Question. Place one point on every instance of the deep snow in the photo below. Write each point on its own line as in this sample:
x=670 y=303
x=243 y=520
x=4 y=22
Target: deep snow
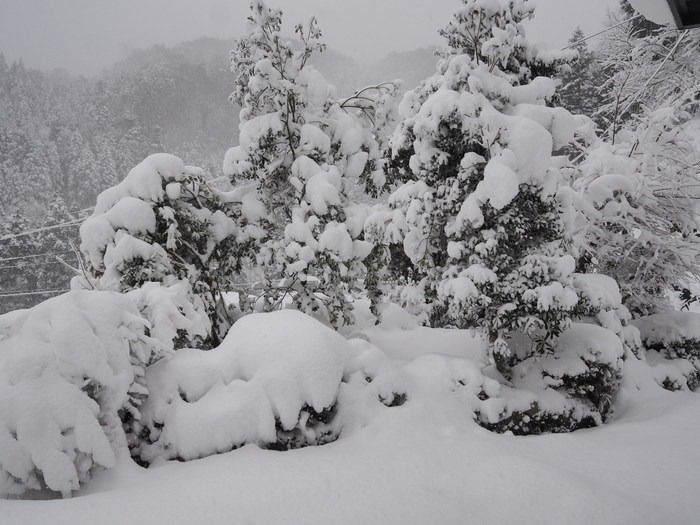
x=416 y=464
x=423 y=462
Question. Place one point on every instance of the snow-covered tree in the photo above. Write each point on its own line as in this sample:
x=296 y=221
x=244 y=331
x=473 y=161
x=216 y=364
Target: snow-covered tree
x=164 y=224
x=73 y=372
x=639 y=183
x=580 y=85
x=299 y=145
x=646 y=67
x=638 y=215
x=38 y=257
x=478 y=214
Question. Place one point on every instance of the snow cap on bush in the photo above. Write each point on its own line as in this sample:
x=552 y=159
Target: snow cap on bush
x=68 y=367
x=164 y=224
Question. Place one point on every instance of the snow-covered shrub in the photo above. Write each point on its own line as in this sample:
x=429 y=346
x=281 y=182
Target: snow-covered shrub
x=672 y=340
x=637 y=213
x=638 y=220
x=273 y=381
x=600 y=302
x=575 y=380
x=478 y=215
x=570 y=388
x=164 y=224
x=71 y=369
x=299 y=146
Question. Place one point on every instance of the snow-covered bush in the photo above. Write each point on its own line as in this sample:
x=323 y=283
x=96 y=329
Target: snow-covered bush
x=164 y=224
x=71 y=369
x=637 y=217
x=672 y=340
x=646 y=67
x=478 y=215
x=284 y=380
x=273 y=381
x=600 y=302
x=299 y=145
x=638 y=183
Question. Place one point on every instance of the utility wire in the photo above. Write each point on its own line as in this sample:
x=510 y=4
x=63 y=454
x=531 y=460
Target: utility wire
x=600 y=32
x=8 y=259
x=38 y=230
x=36 y=292
x=34 y=264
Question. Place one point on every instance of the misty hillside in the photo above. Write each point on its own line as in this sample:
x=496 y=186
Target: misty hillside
x=76 y=137
x=64 y=138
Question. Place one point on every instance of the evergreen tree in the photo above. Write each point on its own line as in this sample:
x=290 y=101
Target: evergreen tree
x=579 y=91
x=478 y=215
x=38 y=263
x=298 y=148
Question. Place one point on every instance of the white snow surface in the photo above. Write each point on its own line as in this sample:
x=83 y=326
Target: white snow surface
x=669 y=327
x=425 y=461
x=422 y=463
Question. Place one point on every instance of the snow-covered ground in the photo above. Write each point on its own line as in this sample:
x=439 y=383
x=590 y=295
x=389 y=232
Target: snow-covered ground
x=425 y=462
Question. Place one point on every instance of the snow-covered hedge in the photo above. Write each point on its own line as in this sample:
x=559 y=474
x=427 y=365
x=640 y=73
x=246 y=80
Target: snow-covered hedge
x=273 y=381
x=672 y=340
x=70 y=369
x=568 y=388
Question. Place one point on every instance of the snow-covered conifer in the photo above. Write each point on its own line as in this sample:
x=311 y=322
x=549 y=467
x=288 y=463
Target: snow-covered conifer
x=298 y=147
x=478 y=214
x=580 y=85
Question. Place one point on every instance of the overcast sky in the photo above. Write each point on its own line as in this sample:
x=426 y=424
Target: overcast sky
x=84 y=36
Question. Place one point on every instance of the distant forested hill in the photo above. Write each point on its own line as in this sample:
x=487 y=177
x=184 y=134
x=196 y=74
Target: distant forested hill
x=64 y=139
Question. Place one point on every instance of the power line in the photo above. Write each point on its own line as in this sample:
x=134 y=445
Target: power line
x=600 y=32
x=8 y=259
x=33 y=264
x=38 y=230
x=37 y=292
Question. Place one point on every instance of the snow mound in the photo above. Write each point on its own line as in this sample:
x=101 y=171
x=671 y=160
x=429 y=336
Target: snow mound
x=669 y=327
x=673 y=343
x=67 y=367
x=272 y=372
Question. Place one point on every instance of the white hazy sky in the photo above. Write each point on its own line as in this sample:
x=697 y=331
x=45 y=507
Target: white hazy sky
x=83 y=36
